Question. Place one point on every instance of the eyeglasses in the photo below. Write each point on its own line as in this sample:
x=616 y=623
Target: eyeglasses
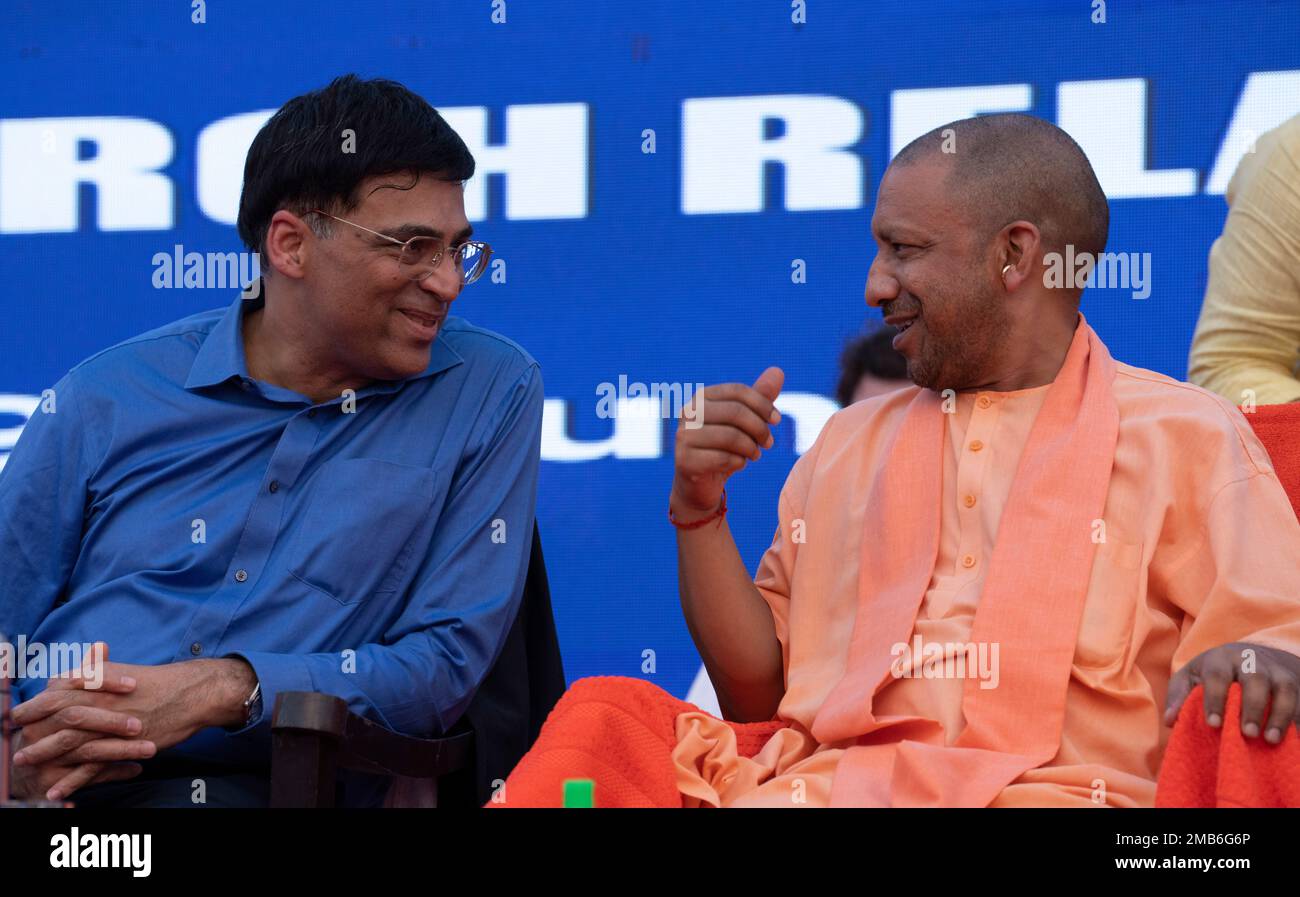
x=421 y=255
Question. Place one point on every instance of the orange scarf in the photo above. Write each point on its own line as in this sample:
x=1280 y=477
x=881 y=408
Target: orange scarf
x=1031 y=603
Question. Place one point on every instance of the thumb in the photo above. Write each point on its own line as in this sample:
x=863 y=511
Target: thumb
x=769 y=383
x=91 y=669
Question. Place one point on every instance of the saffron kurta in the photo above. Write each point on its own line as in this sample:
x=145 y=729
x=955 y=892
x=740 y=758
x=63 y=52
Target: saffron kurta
x=1197 y=546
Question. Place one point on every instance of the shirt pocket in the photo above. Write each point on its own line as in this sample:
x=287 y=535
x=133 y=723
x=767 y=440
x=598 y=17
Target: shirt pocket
x=1110 y=608
x=351 y=541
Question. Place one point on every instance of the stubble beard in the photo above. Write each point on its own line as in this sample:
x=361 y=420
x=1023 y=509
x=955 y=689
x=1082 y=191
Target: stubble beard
x=965 y=356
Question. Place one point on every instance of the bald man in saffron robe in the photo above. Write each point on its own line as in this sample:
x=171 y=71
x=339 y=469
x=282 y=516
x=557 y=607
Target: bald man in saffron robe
x=994 y=587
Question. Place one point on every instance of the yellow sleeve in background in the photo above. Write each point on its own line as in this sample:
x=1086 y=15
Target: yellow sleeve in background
x=1248 y=335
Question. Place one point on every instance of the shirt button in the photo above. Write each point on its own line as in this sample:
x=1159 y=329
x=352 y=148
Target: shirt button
x=968 y=561
x=274 y=487
x=984 y=401
x=241 y=575
x=196 y=649
x=247 y=384
x=976 y=445
x=970 y=501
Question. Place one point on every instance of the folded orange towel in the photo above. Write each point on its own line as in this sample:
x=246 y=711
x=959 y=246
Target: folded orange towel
x=620 y=733
x=1207 y=767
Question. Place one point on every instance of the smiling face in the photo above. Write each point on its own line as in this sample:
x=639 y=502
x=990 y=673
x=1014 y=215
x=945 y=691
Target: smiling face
x=365 y=312
x=931 y=277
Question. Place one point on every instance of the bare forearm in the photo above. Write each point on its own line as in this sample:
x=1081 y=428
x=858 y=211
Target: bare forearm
x=730 y=622
x=729 y=425
x=227 y=684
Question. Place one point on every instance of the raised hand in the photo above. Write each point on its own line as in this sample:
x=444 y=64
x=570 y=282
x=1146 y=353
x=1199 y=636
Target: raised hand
x=725 y=427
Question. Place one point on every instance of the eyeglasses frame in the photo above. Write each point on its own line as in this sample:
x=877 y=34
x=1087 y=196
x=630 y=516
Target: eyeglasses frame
x=437 y=260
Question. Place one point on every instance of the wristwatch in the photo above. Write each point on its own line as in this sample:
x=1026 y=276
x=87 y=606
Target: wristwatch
x=253 y=705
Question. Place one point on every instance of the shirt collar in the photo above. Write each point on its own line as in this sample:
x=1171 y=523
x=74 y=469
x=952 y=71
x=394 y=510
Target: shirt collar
x=222 y=354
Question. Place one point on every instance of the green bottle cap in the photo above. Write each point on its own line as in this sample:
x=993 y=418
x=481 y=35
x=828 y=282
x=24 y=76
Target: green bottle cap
x=579 y=793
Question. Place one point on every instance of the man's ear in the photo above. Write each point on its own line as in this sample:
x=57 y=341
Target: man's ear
x=1020 y=249
x=288 y=244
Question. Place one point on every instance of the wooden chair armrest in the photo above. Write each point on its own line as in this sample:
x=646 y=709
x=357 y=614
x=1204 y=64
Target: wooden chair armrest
x=314 y=735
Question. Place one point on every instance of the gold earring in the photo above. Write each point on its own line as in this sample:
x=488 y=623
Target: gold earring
x=1005 y=269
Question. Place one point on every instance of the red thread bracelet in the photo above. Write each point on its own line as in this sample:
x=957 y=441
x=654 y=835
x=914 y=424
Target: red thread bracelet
x=696 y=524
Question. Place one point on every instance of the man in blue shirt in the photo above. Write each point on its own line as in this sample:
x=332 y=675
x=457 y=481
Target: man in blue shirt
x=327 y=486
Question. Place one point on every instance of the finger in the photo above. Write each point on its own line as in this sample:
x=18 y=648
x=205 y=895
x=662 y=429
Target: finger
x=92 y=774
x=728 y=439
x=76 y=726
x=701 y=461
x=769 y=384
x=760 y=404
x=1179 y=688
x=100 y=720
x=733 y=413
x=79 y=777
x=92 y=667
x=111 y=749
x=1286 y=696
x=84 y=724
x=97 y=656
x=52 y=747
x=106 y=679
x=1216 y=675
x=116 y=772
x=97 y=674
x=1256 y=688
x=39 y=707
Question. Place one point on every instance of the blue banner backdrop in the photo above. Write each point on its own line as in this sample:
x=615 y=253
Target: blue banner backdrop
x=680 y=193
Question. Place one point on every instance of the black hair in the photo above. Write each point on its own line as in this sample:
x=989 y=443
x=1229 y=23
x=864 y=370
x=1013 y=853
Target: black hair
x=298 y=160
x=874 y=354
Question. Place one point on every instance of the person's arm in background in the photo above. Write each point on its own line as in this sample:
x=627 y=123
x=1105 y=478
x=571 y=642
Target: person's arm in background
x=421 y=678
x=1248 y=335
x=729 y=620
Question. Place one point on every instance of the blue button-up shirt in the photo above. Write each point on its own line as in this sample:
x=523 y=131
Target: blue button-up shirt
x=372 y=547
